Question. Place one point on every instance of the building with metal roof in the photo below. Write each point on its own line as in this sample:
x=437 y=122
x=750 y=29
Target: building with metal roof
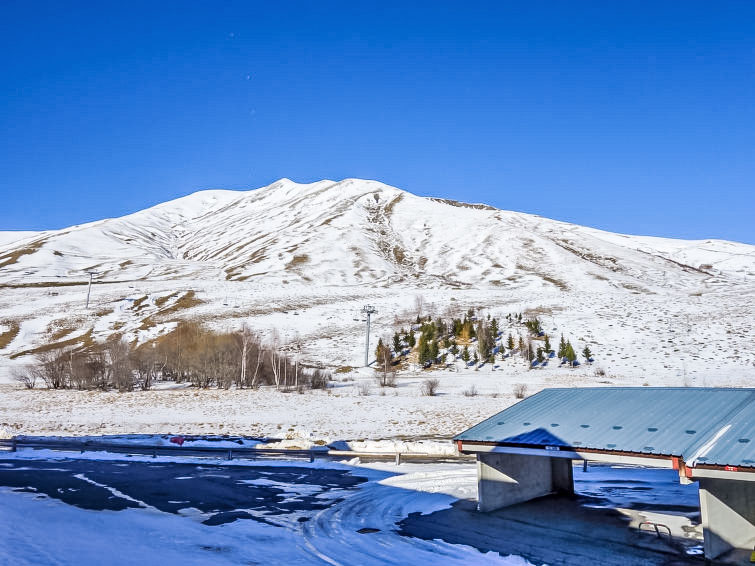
x=708 y=434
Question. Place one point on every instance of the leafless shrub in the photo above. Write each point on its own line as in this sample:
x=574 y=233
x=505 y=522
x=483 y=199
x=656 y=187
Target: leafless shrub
x=419 y=305
x=520 y=390
x=319 y=379
x=364 y=388
x=471 y=391
x=117 y=361
x=53 y=368
x=189 y=353
x=429 y=387
x=599 y=371
x=26 y=376
x=386 y=379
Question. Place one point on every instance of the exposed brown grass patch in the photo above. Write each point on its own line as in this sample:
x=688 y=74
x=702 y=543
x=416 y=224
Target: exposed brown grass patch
x=139 y=303
x=389 y=207
x=456 y=203
x=553 y=281
x=61 y=332
x=42 y=284
x=160 y=301
x=77 y=342
x=187 y=301
x=12 y=257
x=9 y=335
x=398 y=254
x=297 y=260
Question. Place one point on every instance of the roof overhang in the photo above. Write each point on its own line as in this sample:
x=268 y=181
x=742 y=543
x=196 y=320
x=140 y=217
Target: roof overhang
x=612 y=457
x=627 y=458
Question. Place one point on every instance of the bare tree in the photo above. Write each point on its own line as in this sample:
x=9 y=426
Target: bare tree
x=53 y=368
x=118 y=362
x=144 y=362
x=385 y=366
x=419 y=305
x=245 y=338
x=26 y=376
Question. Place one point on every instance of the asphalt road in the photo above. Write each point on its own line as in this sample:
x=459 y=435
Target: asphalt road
x=221 y=494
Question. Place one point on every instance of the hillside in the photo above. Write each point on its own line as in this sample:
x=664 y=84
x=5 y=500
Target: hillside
x=303 y=259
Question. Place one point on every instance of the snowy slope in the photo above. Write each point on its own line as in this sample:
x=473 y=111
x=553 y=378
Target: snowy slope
x=304 y=259
x=360 y=232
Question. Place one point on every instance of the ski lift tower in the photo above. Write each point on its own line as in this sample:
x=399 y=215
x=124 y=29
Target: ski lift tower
x=368 y=310
x=89 y=288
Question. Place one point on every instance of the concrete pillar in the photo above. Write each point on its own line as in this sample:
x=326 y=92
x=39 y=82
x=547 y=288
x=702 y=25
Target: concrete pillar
x=562 y=475
x=507 y=479
x=727 y=509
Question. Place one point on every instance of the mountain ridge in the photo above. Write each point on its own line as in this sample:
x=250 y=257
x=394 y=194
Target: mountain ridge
x=354 y=232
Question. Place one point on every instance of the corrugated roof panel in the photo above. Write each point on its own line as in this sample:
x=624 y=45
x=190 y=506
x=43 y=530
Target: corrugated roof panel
x=658 y=421
x=735 y=446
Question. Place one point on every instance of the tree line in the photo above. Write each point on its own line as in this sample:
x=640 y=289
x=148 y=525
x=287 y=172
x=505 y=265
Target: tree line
x=189 y=353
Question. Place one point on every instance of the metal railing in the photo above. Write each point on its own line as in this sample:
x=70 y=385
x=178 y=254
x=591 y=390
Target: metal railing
x=218 y=452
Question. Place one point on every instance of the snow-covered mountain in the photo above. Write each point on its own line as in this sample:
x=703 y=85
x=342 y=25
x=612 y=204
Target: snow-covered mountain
x=357 y=232
x=304 y=259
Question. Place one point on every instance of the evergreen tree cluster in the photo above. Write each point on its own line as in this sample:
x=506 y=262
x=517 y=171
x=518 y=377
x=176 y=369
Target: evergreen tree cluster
x=534 y=326
x=431 y=336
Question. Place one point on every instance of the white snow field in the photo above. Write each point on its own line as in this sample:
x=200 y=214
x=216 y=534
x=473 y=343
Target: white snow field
x=304 y=259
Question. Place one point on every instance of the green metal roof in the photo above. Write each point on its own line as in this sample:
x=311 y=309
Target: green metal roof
x=702 y=425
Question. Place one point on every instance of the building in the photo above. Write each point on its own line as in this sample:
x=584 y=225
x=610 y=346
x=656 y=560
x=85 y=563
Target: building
x=707 y=434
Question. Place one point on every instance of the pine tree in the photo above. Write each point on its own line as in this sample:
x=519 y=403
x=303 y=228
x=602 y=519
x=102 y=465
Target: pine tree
x=587 y=353
x=410 y=339
x=540 y=356
x=521 y=344
x=434 y=350
x=562 y=348
x=424 y=351
x=465 y=354
x=494 y=328
x=547 y=344
x=510 y=342
x=569 y=353
x=396 y=343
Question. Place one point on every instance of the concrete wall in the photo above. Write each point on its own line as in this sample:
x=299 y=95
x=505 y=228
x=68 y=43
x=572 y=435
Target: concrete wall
x=727 y=508
x=507 y=479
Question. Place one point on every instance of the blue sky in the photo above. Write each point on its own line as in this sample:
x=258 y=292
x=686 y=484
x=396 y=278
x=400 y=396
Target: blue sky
x=633 y=117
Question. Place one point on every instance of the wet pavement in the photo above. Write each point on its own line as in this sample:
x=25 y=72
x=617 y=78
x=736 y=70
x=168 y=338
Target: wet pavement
x=219 y=494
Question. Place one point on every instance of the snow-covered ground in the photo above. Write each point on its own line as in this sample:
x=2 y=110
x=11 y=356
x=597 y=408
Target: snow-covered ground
x=140 y=533
x=353 y=524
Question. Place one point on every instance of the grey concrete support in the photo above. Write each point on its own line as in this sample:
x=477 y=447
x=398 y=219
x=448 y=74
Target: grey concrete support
x=562 y=475
x=507 y=479
x=727 y=508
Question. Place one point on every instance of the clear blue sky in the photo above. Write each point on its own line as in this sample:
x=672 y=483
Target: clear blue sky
x=635 y=117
